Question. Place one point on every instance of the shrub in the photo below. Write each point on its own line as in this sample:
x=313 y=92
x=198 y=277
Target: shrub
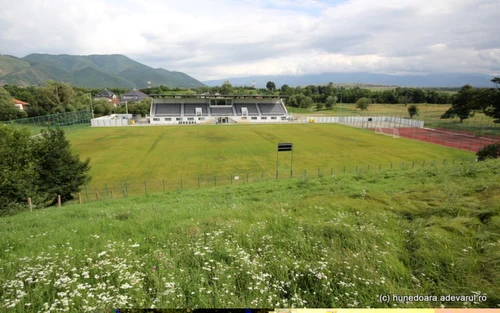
x=363 y=103
x=491 y=151
x=413 y=110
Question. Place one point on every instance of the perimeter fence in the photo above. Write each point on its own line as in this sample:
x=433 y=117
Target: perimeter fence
x=114 y=190
x=69 y=121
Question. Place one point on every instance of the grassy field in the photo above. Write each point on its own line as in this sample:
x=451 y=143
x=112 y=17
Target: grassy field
x=376 y=108
x=326 y=242
x=135 y=154
x=430 y=114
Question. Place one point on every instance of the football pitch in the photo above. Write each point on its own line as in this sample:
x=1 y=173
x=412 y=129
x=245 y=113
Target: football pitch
x=135 y=154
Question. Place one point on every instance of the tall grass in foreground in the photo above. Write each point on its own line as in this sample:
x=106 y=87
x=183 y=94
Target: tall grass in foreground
x=324 y=242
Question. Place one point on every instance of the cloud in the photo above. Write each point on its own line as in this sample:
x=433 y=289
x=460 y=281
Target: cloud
x=219 y=39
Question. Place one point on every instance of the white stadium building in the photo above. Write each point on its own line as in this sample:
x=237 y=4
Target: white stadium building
x=214 y=109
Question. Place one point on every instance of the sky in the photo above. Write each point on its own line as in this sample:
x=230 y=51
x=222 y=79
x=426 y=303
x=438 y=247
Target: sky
x=219 y=39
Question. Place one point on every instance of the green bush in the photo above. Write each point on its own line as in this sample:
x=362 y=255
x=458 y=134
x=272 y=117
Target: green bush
x=489 y=152
x=39 y=167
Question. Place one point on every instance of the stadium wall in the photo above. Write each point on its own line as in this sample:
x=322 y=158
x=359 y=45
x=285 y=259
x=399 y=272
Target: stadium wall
x=111 y=120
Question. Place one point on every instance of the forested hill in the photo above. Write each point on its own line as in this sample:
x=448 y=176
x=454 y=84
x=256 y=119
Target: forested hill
x=92 y=71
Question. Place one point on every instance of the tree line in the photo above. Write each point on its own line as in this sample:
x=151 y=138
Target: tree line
x=57 y=97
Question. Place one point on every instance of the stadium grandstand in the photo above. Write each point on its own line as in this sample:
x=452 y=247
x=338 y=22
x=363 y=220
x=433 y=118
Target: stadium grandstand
x=211 y=109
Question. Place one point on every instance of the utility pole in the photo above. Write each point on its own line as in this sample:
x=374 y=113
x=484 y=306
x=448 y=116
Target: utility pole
x=91 y=106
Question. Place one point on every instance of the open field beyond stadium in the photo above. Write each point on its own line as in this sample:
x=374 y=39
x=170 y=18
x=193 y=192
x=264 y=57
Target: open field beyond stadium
x=135 y=154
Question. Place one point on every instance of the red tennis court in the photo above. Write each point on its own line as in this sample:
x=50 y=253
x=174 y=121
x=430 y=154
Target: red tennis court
x=455 y=139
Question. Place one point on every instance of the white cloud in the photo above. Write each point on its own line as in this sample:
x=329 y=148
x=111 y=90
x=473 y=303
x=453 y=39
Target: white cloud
x=219 y=39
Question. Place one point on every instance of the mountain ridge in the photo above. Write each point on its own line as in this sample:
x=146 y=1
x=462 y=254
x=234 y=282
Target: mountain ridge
x=429 y=80
x=91 y=71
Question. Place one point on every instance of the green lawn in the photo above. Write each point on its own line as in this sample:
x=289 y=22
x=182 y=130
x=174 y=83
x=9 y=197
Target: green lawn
x=319 y=243
x=135 y=154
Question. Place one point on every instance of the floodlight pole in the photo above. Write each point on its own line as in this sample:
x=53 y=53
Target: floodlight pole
x=91 y=106
x=126 y=108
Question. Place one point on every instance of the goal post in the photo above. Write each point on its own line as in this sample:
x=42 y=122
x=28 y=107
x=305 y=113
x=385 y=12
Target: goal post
x=389 y=131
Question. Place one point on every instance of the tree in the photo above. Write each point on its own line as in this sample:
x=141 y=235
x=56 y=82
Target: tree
x=306 y=102
x=55 y=96
x=330 y=102
x=8 y=111
x=491 y=151
x=57 y=170
x=413 y=110
x=363 y=103
x=320 y=106
x=102 y=107
x=226 y=88
x=16 y=172
x=463 y=104
x=271 y=86
x=490 y=98
x=496 y=81
x=142 y=108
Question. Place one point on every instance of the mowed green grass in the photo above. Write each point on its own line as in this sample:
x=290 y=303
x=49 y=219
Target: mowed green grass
x=135 y=154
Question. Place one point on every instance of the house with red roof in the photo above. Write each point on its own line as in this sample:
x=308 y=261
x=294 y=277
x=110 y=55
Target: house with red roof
x=21 y=105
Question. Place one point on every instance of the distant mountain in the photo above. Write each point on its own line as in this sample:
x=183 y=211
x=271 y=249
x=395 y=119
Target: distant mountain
x=430 y=80
x=9 y=64
x=93 y=71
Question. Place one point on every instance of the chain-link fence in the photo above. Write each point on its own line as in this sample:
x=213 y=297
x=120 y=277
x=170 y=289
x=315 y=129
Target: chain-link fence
x=69 y=121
